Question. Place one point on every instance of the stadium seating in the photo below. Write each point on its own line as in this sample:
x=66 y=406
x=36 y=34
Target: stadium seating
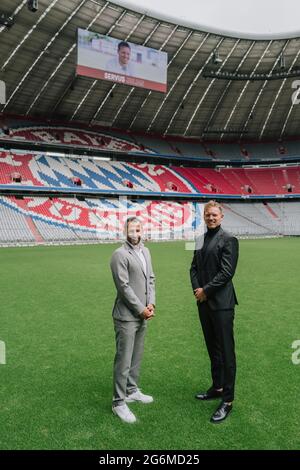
x=42 y=219
x=54 y=219
x=123 y=141
x=58 y=172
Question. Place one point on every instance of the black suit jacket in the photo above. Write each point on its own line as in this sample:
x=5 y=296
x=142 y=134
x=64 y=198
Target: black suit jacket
x=214 y=269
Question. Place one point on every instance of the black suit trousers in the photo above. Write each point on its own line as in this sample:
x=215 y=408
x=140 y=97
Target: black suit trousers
x=217 y=326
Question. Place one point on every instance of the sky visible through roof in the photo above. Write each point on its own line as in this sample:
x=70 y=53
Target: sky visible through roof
x=255 y=19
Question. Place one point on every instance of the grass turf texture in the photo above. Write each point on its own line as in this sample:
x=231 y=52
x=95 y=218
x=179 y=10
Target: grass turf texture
x=55 y=390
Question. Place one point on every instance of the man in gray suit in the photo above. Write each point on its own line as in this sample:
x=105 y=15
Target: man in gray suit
x=135 y=304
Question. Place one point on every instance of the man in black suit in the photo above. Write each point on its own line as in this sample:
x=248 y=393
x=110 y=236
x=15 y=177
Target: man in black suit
x=211 y=272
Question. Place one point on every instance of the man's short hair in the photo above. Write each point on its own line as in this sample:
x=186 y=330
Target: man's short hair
x=213 y=204
x=123 y=44
x=129 y=220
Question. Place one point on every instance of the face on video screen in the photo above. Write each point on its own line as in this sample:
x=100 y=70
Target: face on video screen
x=124 y=55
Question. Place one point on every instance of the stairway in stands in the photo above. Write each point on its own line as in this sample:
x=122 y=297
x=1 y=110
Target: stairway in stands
x=30 y=222
x=32 y=227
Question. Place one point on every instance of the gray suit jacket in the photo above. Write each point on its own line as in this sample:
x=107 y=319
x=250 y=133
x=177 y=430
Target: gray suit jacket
x=135 y=288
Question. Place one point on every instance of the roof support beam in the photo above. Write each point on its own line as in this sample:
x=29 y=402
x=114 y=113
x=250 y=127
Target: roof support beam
x=28 y=34
x=276 y=99
x=261 y=92
x=225 y=90
x=22 y=4
x=209 y=86
x=17 y=48
x=150 y=92
x=177 y=79
x=190 y=86
x=61 y=62
x=245 y=88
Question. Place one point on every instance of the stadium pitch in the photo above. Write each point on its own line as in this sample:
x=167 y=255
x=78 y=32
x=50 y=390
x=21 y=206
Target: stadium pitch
x=56 y=324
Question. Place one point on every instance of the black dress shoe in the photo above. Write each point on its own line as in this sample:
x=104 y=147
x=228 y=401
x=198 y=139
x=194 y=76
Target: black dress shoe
x=221 y=413
x=211 y=394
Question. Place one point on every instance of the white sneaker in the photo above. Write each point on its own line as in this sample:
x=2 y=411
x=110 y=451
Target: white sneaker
x=124 y=413
x=139 y=396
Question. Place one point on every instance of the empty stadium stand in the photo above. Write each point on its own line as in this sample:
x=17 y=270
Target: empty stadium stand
x=41 y=219
x=58 y=172
x=106 y=139
x=50 y=211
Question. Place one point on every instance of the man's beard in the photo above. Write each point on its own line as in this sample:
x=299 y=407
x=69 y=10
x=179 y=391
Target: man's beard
x=134 y=240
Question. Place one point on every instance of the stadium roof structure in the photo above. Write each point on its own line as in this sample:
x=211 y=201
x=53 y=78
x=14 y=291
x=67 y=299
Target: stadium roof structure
x=220 y=88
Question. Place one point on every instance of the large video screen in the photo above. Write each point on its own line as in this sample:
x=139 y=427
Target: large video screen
x=119 y=61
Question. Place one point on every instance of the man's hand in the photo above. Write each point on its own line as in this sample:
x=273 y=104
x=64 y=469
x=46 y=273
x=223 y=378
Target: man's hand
x=200 y=294
x=147 y=314
x=151 y=308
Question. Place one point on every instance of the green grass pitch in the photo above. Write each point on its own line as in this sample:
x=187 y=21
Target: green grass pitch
x=55 y=390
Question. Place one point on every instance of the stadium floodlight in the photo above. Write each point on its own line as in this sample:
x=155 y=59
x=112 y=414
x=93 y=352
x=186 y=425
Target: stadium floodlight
x=6 y=20
x=216 y=58
x=281 y=62
x=33 y=5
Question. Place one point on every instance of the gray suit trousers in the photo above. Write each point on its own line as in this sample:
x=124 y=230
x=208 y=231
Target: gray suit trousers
x=129 y=351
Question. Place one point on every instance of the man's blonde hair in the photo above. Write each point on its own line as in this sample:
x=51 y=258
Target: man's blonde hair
x=213 y=204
